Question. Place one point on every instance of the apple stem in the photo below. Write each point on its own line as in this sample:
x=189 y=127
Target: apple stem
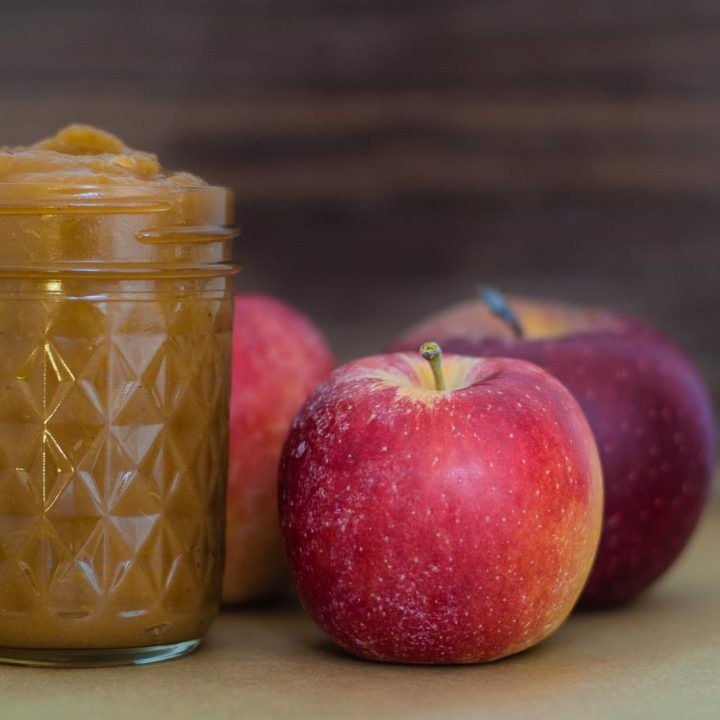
x=432 y=353
x=499 y=307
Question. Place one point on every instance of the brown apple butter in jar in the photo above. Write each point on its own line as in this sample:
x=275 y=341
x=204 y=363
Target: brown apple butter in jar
x=115 y=335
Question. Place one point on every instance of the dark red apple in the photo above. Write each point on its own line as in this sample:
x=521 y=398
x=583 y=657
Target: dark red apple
x=648 y=409
x=278 y=358
x=432 y=525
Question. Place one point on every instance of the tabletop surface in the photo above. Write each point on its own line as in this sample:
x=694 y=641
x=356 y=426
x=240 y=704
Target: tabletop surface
x=657 y=658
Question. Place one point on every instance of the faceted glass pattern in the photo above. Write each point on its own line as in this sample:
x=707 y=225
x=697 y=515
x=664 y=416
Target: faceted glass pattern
x=113 y=439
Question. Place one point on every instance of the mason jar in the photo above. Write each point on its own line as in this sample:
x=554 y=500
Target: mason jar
x=115 y=338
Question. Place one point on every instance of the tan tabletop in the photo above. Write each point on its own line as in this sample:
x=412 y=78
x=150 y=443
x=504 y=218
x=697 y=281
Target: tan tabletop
x=659 y=658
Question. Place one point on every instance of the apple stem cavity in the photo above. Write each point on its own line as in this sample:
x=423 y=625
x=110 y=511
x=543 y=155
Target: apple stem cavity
x=499 y=307
x=432 y=353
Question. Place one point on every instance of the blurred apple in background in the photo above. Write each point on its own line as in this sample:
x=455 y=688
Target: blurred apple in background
x=440 y=526
x=278 y=358
x=646 y=404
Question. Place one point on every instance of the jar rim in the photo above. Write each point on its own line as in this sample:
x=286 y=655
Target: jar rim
x=41 y=198
x=141 y=223
x=111 y=185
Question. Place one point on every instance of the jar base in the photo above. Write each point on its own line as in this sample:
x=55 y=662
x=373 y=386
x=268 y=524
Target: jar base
x=35 y=657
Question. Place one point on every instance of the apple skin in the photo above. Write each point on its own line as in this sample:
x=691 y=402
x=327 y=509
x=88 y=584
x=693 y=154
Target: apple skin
x=650 y=413
x=428 y=526
x=278 y=358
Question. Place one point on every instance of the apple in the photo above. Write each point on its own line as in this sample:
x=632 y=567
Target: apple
x=648 y=409
x=278 y=358
x=439 y=515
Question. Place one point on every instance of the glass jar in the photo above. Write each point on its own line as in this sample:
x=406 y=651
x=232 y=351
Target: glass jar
x=115 y=339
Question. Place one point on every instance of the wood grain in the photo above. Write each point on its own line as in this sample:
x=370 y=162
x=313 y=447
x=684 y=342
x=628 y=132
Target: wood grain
x=379 y=147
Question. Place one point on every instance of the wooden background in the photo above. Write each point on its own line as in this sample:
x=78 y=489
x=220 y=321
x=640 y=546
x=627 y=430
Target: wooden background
x=390 y=155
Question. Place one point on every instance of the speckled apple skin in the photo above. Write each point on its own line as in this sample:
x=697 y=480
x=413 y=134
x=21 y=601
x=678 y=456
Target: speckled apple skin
x=651 y=416
x=428 y=527
x=278 y=358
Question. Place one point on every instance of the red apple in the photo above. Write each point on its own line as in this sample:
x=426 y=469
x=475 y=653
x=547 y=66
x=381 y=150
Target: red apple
x=439 y=526
x=648 y=409
x=278 y=358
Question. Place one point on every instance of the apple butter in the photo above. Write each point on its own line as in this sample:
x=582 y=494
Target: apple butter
x=115 y=338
